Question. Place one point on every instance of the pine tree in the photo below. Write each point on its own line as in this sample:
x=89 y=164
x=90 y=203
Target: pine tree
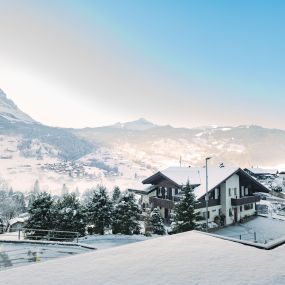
x=156 y=222
x=116 y=195
x=41 y=214
x=185 y=211
x=36 y=189
x=69 y=214
x=99 y=210
x=64 y=190
x=126 y=216
x=34 y=192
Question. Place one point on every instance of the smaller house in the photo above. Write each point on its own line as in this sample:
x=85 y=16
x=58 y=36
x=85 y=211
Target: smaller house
x=17 y=223
x=262 y=174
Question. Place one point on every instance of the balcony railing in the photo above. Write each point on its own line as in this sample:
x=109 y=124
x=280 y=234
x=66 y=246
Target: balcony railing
x=163 y=203
x=245 y=200
x=211 y=203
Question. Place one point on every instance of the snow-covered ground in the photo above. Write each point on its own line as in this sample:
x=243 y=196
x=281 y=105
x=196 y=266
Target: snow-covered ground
x=107 y=241
x=188 y=258
x=266 y=229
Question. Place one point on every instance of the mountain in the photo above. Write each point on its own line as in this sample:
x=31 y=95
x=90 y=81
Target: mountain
x=138 y=125
x=122 y=154
x=10 y=112
x=163 y=145
x=15 y=123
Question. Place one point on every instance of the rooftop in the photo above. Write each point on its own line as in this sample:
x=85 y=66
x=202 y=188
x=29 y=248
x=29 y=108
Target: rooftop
x=188 y=258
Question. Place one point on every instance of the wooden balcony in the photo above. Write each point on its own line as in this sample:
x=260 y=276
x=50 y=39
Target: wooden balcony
x=245 y=200
x=211 y=203
x=163 y=203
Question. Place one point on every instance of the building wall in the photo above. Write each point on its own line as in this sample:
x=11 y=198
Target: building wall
x=250 y=212
x=213 y=212
x=230 y=190
x=145 y=198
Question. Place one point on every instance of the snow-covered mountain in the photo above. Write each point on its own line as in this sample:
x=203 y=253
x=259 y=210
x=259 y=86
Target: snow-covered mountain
x=123 y=153
x=138 y=125
x=10 y=111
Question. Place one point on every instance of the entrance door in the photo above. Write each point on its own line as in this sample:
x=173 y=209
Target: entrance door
x=166 y=214
x=235 y=215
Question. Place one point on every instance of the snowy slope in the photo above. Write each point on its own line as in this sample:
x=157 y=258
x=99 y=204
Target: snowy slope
x=189 y=258
x=10 y=112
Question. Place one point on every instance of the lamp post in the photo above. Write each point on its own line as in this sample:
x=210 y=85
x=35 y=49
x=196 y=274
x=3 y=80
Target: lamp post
x=207 y=196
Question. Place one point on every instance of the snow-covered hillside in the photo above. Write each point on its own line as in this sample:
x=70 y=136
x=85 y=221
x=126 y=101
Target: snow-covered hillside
x=10 y=111
x=122 y=154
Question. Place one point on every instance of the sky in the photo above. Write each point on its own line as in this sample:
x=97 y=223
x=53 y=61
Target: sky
x=82 y=63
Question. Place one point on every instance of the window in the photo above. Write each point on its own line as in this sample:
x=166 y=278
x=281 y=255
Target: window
x=235 y=191
x=240 y=208
x=230 y=212
x=248 y=207
x=230 y=192
x=205 y=215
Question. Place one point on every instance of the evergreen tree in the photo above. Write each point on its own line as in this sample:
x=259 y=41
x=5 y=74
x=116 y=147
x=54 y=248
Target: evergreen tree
x=41 y=214
x=156 y=222
x=69 y=214
x=126 y=216
x=185 y=211
x=76 y=192
x=99 y=210
x=34 y=192
x=116 y=195
x=36 y=188
x=64 y=190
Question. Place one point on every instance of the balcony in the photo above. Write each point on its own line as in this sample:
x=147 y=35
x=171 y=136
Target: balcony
x=163 y=203
x=245 y=200
x=211 y=203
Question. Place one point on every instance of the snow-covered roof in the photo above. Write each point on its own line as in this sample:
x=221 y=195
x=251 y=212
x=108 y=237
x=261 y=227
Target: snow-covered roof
x=145 y=190
x=262 y=171
x=188 y=258
x=197 y=176
x=21 y=219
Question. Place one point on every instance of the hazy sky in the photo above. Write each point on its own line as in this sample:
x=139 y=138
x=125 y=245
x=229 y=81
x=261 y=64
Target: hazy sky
x=186 y=63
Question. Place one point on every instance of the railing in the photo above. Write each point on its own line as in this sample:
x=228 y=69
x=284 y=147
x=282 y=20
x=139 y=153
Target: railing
x=211 y=203
x=250 y=236
x=245 y=200
x=39 y=234
x=163 y=203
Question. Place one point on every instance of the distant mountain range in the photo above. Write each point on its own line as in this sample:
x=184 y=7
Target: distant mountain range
x=134 y=149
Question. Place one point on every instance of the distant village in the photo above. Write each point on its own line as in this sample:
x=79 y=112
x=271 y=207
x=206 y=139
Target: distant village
x=79 y=170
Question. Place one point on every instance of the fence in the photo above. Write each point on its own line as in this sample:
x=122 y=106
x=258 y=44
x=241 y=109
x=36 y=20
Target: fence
x=245 y=236
x=39 y=234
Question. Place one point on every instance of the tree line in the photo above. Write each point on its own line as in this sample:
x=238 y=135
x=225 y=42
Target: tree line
x=97 y=212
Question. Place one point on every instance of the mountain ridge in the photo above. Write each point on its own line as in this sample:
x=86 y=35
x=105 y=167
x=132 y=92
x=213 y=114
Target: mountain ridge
x=125 y=153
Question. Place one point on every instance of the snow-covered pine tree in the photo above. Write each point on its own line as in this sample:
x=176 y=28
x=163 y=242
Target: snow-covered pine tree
x=64 y=190
x=185 y=211
x=156 y=222
x=116 y=195
x=126 y=216
x=36 y=189
x=99 y=210
x=34 y=192
x=69 y=214
x=41 y=214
